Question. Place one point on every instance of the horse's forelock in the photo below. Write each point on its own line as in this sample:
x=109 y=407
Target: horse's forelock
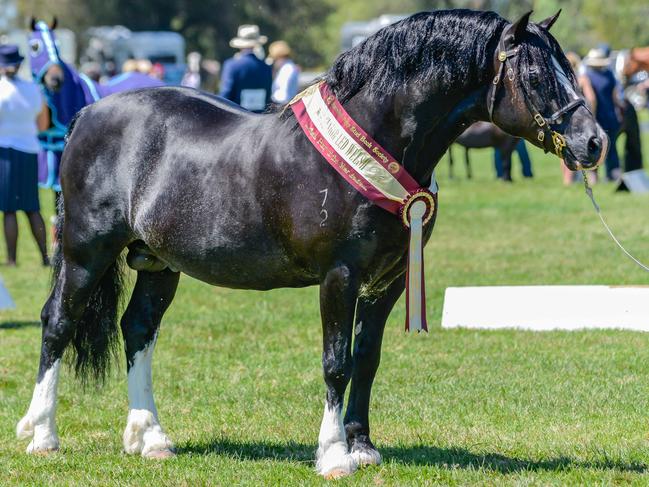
x=538 y=51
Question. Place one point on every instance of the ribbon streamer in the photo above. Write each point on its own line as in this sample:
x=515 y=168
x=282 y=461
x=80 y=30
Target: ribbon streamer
x=415 y=287
x=374 y=173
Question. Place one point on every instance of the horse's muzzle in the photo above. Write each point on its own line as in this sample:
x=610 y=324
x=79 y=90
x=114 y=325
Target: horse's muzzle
x=596 y=149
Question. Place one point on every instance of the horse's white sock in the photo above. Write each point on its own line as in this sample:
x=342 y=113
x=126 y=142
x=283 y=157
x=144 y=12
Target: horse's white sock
x=39 y=423
x=332 y=457
x=143 y=433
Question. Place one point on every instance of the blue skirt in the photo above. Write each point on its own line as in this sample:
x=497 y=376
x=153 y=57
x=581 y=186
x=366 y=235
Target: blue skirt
x=18 y=181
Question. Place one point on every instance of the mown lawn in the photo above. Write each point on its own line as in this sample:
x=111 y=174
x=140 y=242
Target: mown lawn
x=238 y=378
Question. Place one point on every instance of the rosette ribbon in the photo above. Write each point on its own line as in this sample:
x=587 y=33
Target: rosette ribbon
x=374 y=173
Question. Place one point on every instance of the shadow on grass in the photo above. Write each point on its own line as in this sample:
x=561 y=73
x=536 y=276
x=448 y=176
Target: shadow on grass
x=408 y=455
x=463 y=458
x=14 y=325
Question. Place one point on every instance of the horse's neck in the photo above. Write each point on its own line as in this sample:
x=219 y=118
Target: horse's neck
x=417 y=133
x=425 y=151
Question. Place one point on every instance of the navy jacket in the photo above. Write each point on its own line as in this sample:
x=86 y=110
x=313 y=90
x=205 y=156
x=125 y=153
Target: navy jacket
x=604 y=84
x=247 y=81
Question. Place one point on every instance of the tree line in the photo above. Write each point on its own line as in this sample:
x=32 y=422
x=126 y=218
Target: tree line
x=312 y=27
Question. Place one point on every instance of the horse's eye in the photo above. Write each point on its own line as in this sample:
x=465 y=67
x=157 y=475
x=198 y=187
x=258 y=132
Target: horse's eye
x=35 y=47
x=534 y=77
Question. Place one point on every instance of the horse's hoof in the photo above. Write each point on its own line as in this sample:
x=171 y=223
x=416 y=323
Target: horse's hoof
x=160 y=454
x=366 y=456
x=336 y=474
x=42 y=451
x=335 y=462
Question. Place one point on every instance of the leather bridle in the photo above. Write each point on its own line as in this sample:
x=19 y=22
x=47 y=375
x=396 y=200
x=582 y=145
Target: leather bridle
x=545 y=126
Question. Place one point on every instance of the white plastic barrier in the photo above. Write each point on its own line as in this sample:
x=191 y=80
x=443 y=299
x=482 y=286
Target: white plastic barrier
x=5 y=298
x=547 y=307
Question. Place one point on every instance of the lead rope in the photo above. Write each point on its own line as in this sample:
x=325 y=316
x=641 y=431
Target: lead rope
x=589 y=193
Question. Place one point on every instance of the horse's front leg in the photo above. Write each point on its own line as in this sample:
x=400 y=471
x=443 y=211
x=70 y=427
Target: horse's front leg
x=338 y=294
x=371 y=316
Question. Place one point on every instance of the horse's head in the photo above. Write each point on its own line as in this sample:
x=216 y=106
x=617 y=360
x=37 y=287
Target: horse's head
x=534 y=95
x=44 y=56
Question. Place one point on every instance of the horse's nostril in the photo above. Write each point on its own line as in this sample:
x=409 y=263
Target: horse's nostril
x=594 y=145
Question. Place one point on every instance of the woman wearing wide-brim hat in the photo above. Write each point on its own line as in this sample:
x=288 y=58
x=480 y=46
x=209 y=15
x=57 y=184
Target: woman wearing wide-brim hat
x=609 y=106
x=286 y=72
x=22 y=113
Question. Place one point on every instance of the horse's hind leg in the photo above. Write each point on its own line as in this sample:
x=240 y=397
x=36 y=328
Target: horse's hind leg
x=371 y=315
x=153 y=293
x=338 y=294
x=84 y=291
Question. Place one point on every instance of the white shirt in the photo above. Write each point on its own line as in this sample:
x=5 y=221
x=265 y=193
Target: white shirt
x=20 y=103
x=285 y=84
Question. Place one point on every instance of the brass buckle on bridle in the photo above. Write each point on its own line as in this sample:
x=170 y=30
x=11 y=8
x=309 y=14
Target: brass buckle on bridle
x=559 y=143
x=540 y=121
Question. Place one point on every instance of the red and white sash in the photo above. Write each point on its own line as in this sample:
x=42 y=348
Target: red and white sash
x=372 y=171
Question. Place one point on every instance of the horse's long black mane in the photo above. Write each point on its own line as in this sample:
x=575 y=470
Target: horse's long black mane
x=444 y=50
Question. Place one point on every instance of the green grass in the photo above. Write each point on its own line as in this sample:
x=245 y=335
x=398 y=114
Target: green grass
x=239 y=385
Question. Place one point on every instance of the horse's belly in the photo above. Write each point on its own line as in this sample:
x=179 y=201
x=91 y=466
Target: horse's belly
x=241 y=268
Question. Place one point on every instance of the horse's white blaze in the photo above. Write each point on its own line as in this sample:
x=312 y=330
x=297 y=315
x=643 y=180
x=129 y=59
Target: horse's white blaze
x=143 y=433
x=569 y=87
x=564 y=81
x=39 y=423
x=333 y=457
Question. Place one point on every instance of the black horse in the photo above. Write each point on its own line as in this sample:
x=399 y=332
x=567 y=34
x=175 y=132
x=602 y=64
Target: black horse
x=479 y=136
x=190 y=183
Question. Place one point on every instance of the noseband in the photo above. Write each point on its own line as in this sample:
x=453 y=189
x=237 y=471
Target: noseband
x=545 y=126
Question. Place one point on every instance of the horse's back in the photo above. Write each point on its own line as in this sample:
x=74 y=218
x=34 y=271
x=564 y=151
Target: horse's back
x=135 y=131
x=180 y=170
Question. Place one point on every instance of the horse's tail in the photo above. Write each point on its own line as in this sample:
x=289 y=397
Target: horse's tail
x=95 y=340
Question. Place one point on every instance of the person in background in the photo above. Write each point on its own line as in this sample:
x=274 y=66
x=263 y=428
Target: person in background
x=157 y=71
x=246 y=79
x=608 y=111
x=92 y=70
x=192 y=76
x=586 y=89
x=524 y=157
x=286 y=73
x=22 y=113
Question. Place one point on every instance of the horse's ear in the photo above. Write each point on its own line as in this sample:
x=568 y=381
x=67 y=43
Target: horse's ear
x=54 y=23
x=549 y=22
x=516 y=31
x=32 y=23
